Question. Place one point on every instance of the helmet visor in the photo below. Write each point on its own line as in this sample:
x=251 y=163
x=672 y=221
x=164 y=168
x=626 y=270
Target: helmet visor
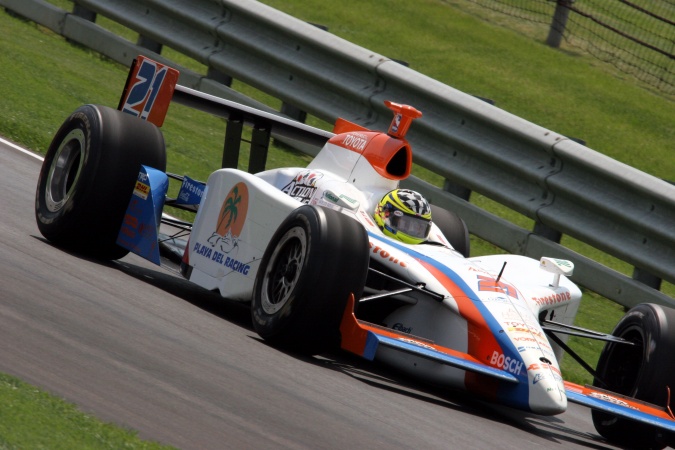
x=414 y=226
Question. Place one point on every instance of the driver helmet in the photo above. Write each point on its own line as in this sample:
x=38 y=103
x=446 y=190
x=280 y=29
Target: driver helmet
x=404 y=215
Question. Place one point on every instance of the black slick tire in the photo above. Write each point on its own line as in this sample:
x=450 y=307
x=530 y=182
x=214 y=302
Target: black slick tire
x=643 y=371
x=88 y=175
x=314 y=261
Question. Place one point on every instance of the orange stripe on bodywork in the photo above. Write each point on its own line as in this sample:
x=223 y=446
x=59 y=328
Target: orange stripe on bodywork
x=355 y=336
x=481 y=342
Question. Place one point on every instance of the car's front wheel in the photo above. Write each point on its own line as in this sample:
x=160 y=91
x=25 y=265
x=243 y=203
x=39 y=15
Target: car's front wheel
x=645 y=371
x=314 y=261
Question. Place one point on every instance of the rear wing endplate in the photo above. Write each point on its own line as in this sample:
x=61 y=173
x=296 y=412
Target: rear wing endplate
x=148 y=90
x=140 y=226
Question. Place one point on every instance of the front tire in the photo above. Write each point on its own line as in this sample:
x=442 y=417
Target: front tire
x=642 y=371
x=314 y=261
x=88 y=175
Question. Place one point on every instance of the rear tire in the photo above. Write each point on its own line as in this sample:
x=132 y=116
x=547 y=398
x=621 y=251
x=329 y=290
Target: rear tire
x=453 y=228
x=88 y=176
x=642 y=371
x=314 y=261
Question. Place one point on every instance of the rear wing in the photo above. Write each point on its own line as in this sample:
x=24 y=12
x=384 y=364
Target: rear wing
x=152 y=86
x=148 y=90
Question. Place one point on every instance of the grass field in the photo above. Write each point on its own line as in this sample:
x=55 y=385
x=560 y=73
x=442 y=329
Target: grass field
x=33 y=419
x=43 y=78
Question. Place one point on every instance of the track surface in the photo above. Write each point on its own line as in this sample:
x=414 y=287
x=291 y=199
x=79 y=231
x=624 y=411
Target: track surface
x=136 y=345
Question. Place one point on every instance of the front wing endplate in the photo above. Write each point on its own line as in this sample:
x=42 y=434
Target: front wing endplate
x=363 y=339
x=619 y=405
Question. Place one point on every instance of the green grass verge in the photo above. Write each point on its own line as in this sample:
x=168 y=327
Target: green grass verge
x=33 y=419
x=43 y=78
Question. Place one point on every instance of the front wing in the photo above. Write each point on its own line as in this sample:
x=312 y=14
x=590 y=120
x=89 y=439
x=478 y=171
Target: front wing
x=619 y=405
x=363 y=339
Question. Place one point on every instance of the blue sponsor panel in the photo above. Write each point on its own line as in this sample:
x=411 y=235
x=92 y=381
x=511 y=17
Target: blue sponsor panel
x=191 y=192
x=140 y=227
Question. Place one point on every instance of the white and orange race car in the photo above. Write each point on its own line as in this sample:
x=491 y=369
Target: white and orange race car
x=323 y=265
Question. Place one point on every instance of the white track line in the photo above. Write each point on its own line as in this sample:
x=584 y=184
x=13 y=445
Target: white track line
x=41 y=158
x=22 y=150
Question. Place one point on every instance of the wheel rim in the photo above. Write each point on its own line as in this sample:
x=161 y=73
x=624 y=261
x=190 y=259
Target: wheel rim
x=65 y=170
x=627 y=361
x=283 y=271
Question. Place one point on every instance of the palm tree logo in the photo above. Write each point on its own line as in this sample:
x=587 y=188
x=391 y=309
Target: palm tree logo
x=229 y=209
x=231 y=218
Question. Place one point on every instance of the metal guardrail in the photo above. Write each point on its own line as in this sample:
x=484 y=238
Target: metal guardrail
x=563 y=186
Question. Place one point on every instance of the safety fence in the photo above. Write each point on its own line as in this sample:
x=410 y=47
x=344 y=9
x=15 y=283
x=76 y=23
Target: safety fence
x=564 y=187
x=635 y=36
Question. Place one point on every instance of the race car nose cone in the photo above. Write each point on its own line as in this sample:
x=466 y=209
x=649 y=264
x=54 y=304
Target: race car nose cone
x=547 y=393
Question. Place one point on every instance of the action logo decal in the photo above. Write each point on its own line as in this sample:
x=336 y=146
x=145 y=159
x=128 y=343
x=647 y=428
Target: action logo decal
x=303 y=186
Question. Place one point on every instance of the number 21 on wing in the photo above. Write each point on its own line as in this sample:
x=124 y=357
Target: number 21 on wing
x=149 y=90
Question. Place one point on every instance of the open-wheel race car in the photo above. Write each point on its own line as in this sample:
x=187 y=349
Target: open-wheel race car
x=338 y=255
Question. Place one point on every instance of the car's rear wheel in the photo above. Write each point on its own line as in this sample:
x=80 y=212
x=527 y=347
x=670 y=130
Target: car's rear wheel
x=643 y=371
x=88 y=175
x=453 y=228
x=315 y=260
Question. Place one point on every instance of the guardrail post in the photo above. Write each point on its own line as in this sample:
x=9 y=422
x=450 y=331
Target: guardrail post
x=215 y=75
x=547 y=232
x=647 y=278
x=457 y=190
x=559 y=22
x=84 y=12
x=293 y=112
x=150 y=44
